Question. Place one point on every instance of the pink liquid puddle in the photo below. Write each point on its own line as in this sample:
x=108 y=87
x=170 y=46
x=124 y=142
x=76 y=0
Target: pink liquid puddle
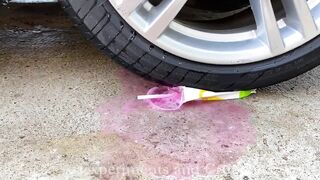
x=194 y=141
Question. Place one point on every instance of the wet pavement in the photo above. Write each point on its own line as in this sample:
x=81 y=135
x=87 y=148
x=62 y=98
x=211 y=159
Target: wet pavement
x=68 y=112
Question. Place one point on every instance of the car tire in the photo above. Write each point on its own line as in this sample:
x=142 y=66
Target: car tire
x=100 y=23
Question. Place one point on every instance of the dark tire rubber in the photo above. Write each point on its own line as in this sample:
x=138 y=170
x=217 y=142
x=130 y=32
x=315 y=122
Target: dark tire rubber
x=101 y=24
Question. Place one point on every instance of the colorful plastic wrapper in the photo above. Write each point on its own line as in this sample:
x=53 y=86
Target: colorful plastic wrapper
x=172 y=98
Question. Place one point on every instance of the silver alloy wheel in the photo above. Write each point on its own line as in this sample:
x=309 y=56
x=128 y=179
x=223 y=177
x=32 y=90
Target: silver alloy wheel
x=235 y=46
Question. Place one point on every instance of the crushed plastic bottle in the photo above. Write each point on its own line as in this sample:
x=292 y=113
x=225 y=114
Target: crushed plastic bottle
x=172 y=98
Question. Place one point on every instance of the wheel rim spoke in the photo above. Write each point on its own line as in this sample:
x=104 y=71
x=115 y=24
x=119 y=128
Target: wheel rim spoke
x=128 y=6
x=163 y=15
x=271 y=38
x=299 y=17
x=267 y=27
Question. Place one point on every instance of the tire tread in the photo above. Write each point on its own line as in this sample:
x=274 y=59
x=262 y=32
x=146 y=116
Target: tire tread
x=101 y=24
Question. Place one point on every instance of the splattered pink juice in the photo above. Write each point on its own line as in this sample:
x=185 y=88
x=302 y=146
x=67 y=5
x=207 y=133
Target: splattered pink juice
x=196 y=140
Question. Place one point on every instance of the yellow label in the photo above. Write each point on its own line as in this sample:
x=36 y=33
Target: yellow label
x=214 y=98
